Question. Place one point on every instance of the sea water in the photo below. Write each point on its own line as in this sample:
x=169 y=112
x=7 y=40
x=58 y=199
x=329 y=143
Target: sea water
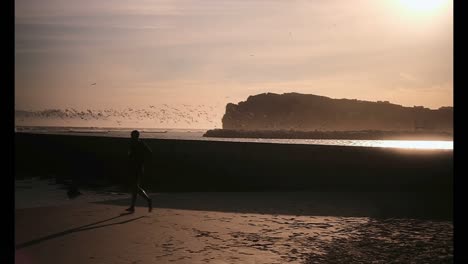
x=197 y=134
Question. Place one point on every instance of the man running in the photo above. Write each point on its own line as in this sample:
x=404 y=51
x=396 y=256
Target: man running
x=137 y=154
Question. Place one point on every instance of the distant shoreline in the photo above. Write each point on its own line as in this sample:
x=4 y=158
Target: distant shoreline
x=363 y=134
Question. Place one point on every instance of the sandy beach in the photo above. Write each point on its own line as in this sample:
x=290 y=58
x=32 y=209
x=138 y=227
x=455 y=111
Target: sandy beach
x=221 y=202
x=249 y=227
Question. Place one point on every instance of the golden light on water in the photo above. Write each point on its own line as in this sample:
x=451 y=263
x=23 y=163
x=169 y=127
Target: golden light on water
x=414 y=144
x=401 y=144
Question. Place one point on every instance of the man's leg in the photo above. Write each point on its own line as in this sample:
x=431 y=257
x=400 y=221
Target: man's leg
x=147 y=198
x=142 y=192
x=134 y=194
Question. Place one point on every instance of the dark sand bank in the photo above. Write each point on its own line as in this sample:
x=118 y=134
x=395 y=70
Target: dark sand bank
x=184 y=165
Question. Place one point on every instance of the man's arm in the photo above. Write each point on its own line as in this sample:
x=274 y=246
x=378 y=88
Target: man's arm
x=147 y=148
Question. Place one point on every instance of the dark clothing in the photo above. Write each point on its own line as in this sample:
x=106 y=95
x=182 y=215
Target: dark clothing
x=138 y=153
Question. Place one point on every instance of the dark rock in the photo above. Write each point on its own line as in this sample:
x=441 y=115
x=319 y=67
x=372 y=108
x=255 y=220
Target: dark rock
x=307 y=112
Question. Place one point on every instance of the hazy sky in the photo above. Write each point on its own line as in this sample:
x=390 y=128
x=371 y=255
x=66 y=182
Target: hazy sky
x=218 y=51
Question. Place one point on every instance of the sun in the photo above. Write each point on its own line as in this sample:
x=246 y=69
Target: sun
x=422 y=6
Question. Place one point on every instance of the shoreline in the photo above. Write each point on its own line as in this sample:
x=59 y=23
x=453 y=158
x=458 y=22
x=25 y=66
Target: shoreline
x=349 y=135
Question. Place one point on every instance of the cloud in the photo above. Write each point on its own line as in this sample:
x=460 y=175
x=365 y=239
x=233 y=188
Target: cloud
x=170 y=49
x=408 y=77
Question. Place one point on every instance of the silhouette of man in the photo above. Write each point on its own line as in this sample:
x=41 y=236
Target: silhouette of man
x=137 y=154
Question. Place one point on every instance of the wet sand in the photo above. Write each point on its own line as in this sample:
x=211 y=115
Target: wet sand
x=232 y=228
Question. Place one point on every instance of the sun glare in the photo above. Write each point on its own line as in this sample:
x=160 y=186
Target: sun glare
x=422 y=6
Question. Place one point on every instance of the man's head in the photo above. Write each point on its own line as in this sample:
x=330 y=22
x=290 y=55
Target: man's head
x=135 y=134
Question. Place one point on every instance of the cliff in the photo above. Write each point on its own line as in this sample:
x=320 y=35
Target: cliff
x=307 y=112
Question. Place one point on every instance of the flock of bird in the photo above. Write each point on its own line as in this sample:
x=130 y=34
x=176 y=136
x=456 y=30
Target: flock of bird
x=183 y=114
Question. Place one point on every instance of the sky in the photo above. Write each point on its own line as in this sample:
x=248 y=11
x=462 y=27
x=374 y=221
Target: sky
x=211 y=52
